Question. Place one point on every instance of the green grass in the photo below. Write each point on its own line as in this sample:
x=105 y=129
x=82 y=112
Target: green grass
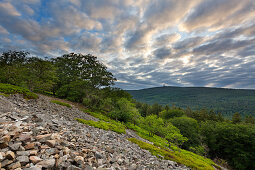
x=61 y=103
x=180 y=156
x=104 y=125
x=11 y=89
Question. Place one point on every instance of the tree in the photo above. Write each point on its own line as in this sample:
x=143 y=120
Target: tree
x=77 y=67
x=173 y=135
x=249 y=119
x=236 y=118
x=125 y=111
x=189 y=128
x=167 y=114
x=12 y=67
x=153 y=124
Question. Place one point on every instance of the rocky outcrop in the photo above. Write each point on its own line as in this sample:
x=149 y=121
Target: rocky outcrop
x=37 y=134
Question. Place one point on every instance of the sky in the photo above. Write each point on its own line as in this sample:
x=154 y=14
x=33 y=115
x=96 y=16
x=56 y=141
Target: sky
x=144 y=43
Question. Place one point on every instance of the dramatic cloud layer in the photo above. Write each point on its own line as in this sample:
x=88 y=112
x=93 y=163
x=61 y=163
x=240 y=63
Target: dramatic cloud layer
x=145 y=43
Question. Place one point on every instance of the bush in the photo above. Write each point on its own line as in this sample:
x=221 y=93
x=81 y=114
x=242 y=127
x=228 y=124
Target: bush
x=153 y=124
x=104 y=125
x=61 y=103
x=124 y=111
x=11 y=89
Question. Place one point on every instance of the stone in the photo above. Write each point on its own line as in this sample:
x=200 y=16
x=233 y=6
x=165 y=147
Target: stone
x=10 y=155
x=72 y=167
x=14 y=165
x=5 y=138
x=24 y=137
x=29 y=146
x=110 y=150
x=2 y=156
x=3 y=145
x=23 y=153
x=15 y=146
x=33 y=152
x=47 y=163
x=23 y=159
x=98 y=155
x=43 y=138
x=79 y=160
x=51 y=143
x=35 y=159
x=6 y=162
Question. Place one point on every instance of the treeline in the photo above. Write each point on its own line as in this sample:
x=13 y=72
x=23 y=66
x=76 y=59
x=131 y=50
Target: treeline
x=82 y=78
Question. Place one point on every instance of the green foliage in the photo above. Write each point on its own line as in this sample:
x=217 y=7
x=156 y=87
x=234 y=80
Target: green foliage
x=61 y=103
x=77 y=67
x=249 y=119
x=232 y=142
x=11 y=89
x=173 y=135
x=124 y=111
x=153 y=124
x=180 y=156
x=189 y=128
x=170 y=113
x=236 y=118
x=104 y=125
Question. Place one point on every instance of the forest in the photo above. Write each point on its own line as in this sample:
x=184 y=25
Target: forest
x=221 y=100
x=84 y=79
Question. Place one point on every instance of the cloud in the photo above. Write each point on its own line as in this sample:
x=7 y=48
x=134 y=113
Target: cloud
x=9 y=9
x=162 y=53
x=216 y=14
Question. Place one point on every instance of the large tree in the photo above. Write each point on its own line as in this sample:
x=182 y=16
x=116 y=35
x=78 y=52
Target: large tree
x=77 y=67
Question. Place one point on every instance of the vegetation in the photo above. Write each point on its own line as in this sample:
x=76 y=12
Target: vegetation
x=226 y=101
x=82 y=78
x=11 y=89
x=61 y=103
x=104 y=125
x=183 y=157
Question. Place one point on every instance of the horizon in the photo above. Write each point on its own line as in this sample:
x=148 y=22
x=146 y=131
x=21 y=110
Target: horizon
x=144 y=43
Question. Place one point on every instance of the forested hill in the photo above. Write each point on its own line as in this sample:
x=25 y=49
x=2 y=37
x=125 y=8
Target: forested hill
x=226 y=101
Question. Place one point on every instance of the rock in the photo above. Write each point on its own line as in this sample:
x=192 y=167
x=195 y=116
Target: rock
x=79 y=160
x=15 y=146
x=5 y=138
x=23 y=159
x=6 y=162
x=25 y=137
x=2 y=156
x=23 y=153
x=72 y=167
x=98 y=155
x=35 y=159
x=47 y=163
x=10 y=155
x=29 y=146
x=14 y=165
x=3 y=145
x=33 y=152
x=43 y=138
x=51 y=143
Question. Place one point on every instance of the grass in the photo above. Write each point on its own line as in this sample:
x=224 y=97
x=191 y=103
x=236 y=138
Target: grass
x=104 y=125
x=182 y=157
x=6 y=89
x=61 y=103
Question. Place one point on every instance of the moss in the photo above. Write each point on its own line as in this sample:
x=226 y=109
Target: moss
x=61 y=103
x=11 y=89
x=104 y=125
x=180 y=156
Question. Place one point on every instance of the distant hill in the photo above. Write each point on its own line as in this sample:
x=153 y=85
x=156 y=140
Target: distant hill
x=226 y=101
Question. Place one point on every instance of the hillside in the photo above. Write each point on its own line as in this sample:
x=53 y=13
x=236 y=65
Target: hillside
x=227 y=101
x=39 y=134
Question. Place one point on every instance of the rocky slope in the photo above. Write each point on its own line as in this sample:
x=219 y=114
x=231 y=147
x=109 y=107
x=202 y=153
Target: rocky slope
x=38 y=134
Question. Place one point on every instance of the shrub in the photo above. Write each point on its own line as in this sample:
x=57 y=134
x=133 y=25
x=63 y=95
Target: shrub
x=61 y=103
x=104 y=125
x=153 y=124
x=11 y=89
